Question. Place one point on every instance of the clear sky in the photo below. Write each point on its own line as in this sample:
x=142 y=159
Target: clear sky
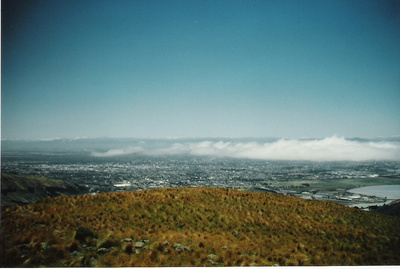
x=145 y=68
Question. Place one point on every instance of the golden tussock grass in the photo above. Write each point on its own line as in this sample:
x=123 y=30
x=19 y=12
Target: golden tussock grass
x=195 y=227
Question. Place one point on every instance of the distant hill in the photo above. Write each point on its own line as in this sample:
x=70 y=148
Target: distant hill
x=392 y=209
x=20 y=190
x=194 y=227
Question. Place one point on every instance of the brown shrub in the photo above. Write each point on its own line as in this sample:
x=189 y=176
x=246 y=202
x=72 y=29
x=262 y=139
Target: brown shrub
x=129 y=248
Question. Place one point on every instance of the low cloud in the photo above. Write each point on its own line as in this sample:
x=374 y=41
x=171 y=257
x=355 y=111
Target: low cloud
x=327 y=149
x=118 y=152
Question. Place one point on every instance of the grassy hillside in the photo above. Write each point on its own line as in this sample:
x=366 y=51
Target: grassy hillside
x=22 y=189
x=195 y=227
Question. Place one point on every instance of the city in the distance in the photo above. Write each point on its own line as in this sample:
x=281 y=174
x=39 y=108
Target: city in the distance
x=322 y=169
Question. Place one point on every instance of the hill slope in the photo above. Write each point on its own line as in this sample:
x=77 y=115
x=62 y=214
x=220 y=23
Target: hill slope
x=195 y=227
x=20 y=190
x=392 y=209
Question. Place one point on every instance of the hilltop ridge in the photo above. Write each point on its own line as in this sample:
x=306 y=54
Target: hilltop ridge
x=195 y=227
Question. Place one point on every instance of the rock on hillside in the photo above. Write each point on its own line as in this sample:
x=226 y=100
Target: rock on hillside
x=21 y=190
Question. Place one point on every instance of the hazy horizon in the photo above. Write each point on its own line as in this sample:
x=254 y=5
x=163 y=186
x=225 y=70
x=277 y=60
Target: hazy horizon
x=199 y=137
x=332 y=148
x=200 y=68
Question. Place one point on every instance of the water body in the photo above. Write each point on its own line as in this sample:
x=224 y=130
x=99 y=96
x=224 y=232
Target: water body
x=391 y=192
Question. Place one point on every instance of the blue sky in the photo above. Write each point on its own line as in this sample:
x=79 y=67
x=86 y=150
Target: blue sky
x=93 y=68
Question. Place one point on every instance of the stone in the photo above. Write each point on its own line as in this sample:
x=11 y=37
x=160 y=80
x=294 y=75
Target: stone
x=103 y=250
x=212 y=262
x=139 y=244
x=165 y=243
x=212 y=256
x=178 y=247
x=127 y=240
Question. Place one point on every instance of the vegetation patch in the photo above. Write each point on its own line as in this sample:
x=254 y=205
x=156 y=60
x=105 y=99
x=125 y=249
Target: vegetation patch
x=194 y=227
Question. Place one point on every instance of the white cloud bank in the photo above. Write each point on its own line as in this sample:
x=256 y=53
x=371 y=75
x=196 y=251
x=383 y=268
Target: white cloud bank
x=327 y=149
x=118 y=152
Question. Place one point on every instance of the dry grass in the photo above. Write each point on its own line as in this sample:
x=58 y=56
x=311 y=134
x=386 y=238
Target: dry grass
x=237 y=228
